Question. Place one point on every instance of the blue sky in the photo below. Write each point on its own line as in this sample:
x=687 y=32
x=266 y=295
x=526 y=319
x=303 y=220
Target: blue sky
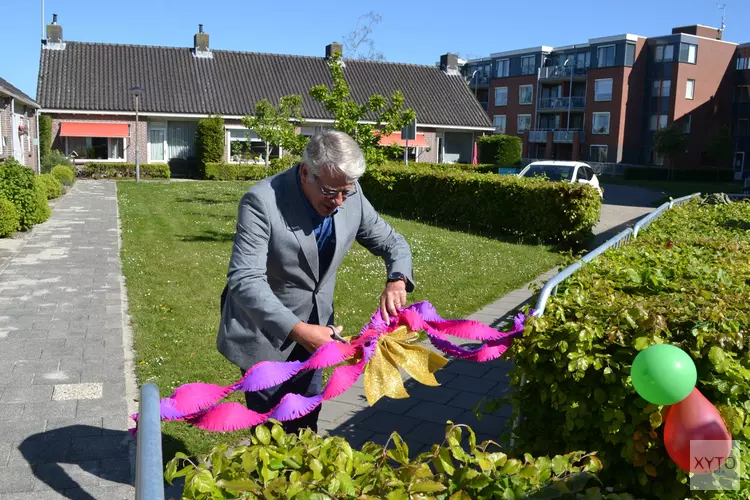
x=416 y=32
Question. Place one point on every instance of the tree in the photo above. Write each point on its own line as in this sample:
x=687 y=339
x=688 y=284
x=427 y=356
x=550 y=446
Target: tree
x=45 y=136
x=359 y=38
x=209 y=140
x=720 y=146
x=670 y=142
x=275 y=125
x=388 y=115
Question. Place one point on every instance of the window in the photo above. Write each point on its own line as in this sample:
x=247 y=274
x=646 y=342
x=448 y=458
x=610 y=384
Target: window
x=95 y=148
x=181 y=139
x=2 y=138
x=583 y=174
x=743 y=127
x=629 y=54
x=600 y=123
x=583 y=59
x=656 y=158
x=524 y=123
x=605 y=56
x=525 y=94
x=664 y=53
x=246 y=147
x=599 y=153
x=661 y=88
x=688 y=52
x=501 y=96
x=499 y=122
x=690 y=89
x=503 y=68
x=157 y=142
x=686 y=122
x=603 y=89
x=528 y=65
x=743 y=63
x=658 y=121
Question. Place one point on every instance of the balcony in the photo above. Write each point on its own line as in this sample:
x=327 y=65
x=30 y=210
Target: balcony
x=563 y=73
x=558 y=136
x=538 y=135
x=562 y=103
x=478 y=80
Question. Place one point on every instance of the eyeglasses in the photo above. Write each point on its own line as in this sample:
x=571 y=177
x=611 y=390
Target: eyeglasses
x=333 y=193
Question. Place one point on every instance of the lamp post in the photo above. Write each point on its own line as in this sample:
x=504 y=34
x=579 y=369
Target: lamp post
x=136 y=92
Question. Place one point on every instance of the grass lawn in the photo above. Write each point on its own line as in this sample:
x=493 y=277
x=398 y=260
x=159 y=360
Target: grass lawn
x=177 y=239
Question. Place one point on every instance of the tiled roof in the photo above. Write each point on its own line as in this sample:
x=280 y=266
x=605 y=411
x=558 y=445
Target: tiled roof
x=94 y=76
x=7 y=88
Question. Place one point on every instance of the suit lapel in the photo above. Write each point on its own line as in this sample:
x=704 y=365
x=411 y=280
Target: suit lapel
x=300 y=224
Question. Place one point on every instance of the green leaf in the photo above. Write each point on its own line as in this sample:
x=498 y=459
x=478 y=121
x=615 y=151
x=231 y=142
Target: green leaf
x=426 y=487
x=443 y=462
x=600 y=396
x=559 y=464
x=460 y=495
x=642 y=343
x=238 y=485
x=263 y=434
x=203 y=481
x=655 y=419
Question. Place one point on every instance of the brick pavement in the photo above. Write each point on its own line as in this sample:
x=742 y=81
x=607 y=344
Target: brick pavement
x=63 y=409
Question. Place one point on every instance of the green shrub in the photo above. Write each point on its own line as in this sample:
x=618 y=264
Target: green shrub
x=17 y=184
x=499 y=149
x=45 y=138
x=209 y=140
x=284 y=163
x=124 y=171
x=64 y=174
x=52 y=159
x=679 y=174
x=480 y=168
x=239 y=171
x=684 y=281
x=306 y=466
x=9 y=220
x=530 y=208
x=52 y=187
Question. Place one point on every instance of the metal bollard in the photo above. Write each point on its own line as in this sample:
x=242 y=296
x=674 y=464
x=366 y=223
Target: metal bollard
x=149 y=473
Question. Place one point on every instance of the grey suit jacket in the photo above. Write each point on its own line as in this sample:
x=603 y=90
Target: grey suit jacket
x=273 y=279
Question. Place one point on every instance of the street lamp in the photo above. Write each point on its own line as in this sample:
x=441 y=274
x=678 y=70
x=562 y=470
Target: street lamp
x=475 y=83
x=137 y=92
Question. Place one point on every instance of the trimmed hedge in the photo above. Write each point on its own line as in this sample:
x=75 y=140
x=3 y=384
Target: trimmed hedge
x=499 y=149
x=18 y=185
x=531 y=208
x=64 y=174
x=52 y=187
x=9 y=220
x=239 y=171
x=679 y=174
x=481 y=168
x=124 y=170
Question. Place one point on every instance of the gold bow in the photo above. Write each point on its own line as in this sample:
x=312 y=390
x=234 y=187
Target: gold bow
x=382 y=376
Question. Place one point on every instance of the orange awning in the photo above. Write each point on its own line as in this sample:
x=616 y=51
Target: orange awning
x=395 y=138
x=93 y=129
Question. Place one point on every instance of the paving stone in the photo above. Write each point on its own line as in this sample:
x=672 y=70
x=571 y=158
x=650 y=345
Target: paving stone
x=469 y=368
x=49 y=410
x=57 y=377
x=489 y=427
x=16 y=479
x=427 y=433
x=99 y=448
x=62 y=476
x=433 y=412
x=383 y=422
x=472 y=384
x=27 y=394
x=335 y=411
x=10 y=411
x=467 y=400
x=26 y=366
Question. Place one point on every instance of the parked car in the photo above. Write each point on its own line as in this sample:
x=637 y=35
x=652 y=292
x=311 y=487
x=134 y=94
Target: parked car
x=563 y=171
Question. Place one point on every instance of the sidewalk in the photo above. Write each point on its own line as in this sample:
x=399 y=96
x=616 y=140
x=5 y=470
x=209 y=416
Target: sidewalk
x=63 y=411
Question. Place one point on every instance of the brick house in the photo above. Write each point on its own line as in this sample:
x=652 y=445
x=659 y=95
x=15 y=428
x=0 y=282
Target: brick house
x=741 y=112
x=18 y=126
x=84 y=88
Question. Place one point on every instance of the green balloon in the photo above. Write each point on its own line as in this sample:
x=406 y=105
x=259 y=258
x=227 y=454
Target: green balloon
x=663 y=374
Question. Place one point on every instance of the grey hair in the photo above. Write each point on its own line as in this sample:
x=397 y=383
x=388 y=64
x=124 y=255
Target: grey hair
x=337 y=152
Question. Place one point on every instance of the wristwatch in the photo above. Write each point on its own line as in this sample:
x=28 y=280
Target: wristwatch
x=396 y=277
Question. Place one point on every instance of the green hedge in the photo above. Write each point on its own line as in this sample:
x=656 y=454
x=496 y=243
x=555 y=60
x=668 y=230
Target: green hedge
x=499 y=149
x=65 y=174
x=18 y=185
x=684 y=281
x=532 y=208
x=124 y=170
x=52 y=187
x=9 y=220
x=482 y=168
x=239 y=171
x=680 y=174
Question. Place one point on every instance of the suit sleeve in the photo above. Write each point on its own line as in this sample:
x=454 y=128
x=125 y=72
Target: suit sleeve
x=247 y=279
x=382 y=240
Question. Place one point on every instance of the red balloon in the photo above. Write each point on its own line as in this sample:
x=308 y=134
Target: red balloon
x=695 y=418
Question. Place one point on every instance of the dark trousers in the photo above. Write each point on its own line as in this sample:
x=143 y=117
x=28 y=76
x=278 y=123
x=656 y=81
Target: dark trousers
x=307 y=383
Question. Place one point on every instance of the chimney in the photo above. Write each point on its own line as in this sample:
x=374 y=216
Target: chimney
x=200 y=44
x=54 y=32
x=449 y=64
x=333 y=48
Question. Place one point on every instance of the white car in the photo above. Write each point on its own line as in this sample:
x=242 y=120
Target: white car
x=563 y=171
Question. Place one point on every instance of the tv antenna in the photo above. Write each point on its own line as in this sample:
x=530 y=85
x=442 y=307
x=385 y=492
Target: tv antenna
x=723 y=8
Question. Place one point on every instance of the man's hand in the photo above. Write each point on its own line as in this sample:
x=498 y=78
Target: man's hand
x=311 y=337
x=393 y=298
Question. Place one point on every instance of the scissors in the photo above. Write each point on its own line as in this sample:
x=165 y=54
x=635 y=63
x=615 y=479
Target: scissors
x=335 y=335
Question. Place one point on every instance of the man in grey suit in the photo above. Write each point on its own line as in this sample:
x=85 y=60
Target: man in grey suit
x=293 y=230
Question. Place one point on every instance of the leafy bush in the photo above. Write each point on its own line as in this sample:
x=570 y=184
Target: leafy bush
x=45 y=140
x=682 y=282
x=284 y=163
x=209 y=140
x=8 y=218
x=17 y=184
x=240 y=171
x=480 y=168
x=306 y=466
x=124 y=170
x=679 y=174
x=64 y=174
x=52 y=159
x=531 y=208
x=52 y=187
x=499 y=149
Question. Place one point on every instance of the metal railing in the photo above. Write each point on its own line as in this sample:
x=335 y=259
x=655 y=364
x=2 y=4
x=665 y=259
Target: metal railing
x=556 y=72
x=647 y=220
x=562 y=103
x=538 y=135
x=149 y=474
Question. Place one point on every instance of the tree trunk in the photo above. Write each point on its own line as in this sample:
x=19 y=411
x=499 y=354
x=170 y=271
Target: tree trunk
x=267 y=153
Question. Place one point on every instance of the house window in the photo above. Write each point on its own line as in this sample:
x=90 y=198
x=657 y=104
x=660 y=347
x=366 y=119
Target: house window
x=95 y=148
x=661 y=88
x=686 y=123
x=525 y=94
x=499 y=122
x=656 y=158
x=605 y=56
x=743 y=63
x=664 y=53
x=157 y=142
x=657 y=122
x=181 y=139
x=629 y=54
x=246 y=147
x=528 y=65
x=599 y=153
x=503 y=68
x=524 y=123
x=501 y=96
x=690 y=89
x=688 y=52
x=603 y=89
x=600 y=123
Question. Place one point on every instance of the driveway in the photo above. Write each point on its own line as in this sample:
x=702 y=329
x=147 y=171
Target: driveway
x=623 y=206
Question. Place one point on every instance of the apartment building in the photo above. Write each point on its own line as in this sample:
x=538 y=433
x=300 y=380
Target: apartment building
x=741 y=113
x=602 y=100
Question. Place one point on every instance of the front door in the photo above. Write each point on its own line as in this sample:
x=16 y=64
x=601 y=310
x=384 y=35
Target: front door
x=739 y=165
